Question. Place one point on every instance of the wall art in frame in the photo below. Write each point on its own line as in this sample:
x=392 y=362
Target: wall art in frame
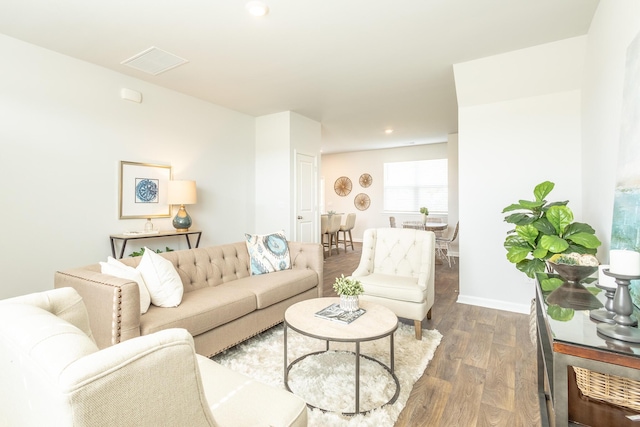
x=625 y=230
x=143 y=190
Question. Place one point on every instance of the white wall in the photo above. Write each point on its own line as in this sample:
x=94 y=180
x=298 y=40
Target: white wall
x=63 y=132
x=506 y=147
x=614 y=26
x=278 y=137
x=454 y=200
x=273 y=173
x=354 y=164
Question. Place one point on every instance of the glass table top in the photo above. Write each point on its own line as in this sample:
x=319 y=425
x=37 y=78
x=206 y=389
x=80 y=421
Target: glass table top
x=567 y=307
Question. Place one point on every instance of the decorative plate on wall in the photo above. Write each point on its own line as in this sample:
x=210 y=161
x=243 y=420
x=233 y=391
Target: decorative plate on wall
x=365 y=180
x=362 y=202
x=342 y=186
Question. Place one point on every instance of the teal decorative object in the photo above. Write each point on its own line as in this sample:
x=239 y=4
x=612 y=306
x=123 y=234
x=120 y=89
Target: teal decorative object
x=182 y=193
x=182 y=220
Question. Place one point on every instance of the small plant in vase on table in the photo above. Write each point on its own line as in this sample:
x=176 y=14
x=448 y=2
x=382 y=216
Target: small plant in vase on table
x=348 y=290
x=425 y=213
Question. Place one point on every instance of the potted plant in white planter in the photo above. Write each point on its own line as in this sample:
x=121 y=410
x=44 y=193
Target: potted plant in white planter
x=425 y=213
x=348 y=289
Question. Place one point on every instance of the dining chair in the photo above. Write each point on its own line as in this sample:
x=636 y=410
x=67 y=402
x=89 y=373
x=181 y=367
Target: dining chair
x=443 y=244
x=324 y=227
x=438 y=220
x=345 y=228
x=332 y=233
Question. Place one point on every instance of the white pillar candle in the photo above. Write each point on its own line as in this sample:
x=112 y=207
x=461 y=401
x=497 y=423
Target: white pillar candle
x=624 y=262
x=607 y=281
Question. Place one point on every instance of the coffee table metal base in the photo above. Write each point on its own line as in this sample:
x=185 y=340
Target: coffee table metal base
x=389 y=369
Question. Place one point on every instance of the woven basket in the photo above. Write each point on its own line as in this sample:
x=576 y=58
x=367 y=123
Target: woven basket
x=609 y=388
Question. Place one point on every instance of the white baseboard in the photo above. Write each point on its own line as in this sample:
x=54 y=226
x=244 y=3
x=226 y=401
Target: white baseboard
x=496 y=304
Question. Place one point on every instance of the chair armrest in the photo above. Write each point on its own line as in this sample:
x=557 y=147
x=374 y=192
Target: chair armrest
x=151 y=380
x=308 y=256
x=112 y=303
x=64 y=303
x=365 y=267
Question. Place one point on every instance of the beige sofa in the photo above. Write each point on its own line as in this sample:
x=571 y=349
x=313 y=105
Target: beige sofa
x=222 y=304
x=53 y=374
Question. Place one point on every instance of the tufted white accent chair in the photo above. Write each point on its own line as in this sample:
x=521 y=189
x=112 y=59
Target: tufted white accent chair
x=53 y=374
x=397 y=270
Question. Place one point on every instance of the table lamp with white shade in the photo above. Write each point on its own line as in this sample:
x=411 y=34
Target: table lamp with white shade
x=182 y=192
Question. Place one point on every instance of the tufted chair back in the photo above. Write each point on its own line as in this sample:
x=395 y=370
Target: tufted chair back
x=397 y=270
x=52 y=373
x=324 y=224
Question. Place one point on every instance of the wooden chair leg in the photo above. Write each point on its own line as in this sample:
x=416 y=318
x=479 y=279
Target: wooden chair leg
x=429 y=314
x=328 y=244
x=418 y=326
x=350 y=239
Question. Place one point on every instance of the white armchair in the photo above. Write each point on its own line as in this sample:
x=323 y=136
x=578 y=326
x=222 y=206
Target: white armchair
x=53 y=374
x=397 y=270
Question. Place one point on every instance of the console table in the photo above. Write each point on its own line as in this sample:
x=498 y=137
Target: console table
x=126 y=237
x=562 y=344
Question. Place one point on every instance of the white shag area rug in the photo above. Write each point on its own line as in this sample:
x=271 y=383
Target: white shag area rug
x=328 y=380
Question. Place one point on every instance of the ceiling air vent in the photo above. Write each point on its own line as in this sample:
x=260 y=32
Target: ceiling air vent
x=154 y=61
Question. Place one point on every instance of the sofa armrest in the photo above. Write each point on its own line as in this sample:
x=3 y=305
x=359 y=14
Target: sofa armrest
x=113 y=304
x=308 y=256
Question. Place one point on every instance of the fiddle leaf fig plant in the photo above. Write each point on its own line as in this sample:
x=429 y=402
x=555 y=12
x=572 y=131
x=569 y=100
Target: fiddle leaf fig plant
x=544 y=229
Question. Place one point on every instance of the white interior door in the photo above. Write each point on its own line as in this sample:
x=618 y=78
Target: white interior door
x=306 y=195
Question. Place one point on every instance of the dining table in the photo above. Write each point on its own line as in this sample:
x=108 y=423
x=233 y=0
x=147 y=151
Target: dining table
x=429 y=226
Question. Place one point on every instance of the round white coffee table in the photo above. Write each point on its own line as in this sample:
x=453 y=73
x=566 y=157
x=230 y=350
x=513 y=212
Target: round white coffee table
x=378 y=322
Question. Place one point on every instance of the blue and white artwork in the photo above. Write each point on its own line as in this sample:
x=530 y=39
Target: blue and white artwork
x=144 y=190
x=625 y=231
x=147 y=190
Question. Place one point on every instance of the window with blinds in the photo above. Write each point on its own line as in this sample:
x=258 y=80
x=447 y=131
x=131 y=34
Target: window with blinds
x=411 y=185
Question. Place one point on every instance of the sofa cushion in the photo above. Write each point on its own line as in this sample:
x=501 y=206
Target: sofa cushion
x=115 y=268
x=272 y=288
x=268 y=252
x=393 y=287
x=201 y=310
x=162 y=279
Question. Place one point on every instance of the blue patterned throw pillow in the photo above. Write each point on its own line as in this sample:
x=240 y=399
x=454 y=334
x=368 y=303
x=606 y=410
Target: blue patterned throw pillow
x=268 y=253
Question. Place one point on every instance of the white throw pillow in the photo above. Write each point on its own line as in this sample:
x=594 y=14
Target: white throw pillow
x=162 y=279
x=115 y=268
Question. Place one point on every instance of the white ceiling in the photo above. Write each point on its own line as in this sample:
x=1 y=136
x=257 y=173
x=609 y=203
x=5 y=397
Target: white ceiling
x=356 y=66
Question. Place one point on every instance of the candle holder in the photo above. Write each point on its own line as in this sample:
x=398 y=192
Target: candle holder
x=607 y=313
x=623 y=329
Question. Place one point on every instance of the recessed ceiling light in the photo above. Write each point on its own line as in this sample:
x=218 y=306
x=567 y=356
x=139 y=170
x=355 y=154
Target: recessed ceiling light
x=257 y=8
x=388 y=131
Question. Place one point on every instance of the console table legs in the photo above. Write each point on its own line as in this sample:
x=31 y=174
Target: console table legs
x=126 y=238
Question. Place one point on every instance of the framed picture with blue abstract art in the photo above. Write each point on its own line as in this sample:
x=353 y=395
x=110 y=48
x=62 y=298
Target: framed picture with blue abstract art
x=143 y=190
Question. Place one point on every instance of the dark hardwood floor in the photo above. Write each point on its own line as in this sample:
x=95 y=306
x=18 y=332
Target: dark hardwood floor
x=483 y=372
